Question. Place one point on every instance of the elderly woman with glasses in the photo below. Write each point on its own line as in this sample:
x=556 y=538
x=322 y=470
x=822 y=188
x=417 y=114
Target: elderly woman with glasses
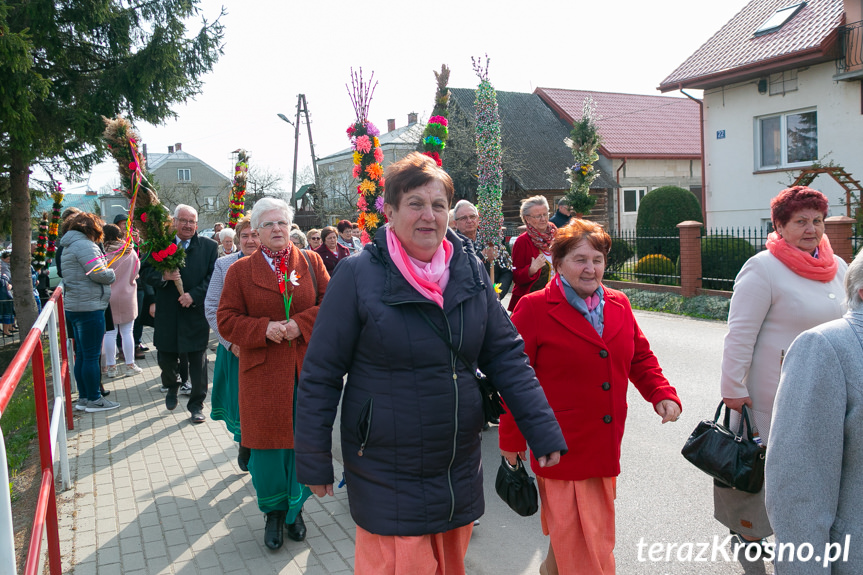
x=531 y=253
x=814 y=470
x=411 y=411
x=267 y=309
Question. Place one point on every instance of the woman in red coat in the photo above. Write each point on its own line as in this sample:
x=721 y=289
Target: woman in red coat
x=531 y=253
x=576 y=318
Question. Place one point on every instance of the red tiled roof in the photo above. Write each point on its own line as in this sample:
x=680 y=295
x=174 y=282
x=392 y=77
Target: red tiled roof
x=635 y=126
x=735 y=46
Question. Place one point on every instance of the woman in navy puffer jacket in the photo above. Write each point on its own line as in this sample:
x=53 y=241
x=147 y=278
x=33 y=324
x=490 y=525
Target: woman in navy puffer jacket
x=412 y=413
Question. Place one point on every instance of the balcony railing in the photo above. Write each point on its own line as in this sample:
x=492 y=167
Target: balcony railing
x=850 y=48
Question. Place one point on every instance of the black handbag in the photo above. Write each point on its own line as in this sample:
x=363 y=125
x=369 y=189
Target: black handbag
x=492 y=405
x=516 y=487
x=733 y=459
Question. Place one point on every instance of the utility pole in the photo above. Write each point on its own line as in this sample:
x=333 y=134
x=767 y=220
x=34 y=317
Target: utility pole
x=302 y=107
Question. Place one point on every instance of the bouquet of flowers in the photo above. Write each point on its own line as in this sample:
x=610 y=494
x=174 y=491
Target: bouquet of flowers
x=152 y=219
x=584 y=141
x=367 y=158
x=41 y=243
x=436 y=131
x=54 y=227
x=238 y=190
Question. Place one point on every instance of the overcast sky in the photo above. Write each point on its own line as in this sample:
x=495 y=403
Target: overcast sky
x=275 y=50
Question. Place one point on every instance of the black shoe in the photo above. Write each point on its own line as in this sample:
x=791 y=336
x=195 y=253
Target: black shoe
x=243 y=458
x=297 y=529
x=273 y=532
x=143 y=347
x=198 y=417
x=171 y=398
x=139 y=354
x=103 y=391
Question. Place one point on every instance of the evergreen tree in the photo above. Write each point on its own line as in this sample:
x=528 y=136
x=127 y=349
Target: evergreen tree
x=64 y=65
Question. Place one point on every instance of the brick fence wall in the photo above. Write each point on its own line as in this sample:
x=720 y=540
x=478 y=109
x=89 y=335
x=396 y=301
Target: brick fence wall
x=838 y=228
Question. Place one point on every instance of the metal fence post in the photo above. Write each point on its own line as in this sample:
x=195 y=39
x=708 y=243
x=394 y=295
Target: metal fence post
x=56 y=375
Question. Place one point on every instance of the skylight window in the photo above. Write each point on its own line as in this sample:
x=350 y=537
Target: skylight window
x=779 y=18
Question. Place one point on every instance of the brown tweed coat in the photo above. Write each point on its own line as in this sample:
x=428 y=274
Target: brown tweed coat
x=268 y=370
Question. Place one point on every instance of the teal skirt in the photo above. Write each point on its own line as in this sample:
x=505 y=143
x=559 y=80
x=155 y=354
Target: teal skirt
x=274 y=475
x=224 y=401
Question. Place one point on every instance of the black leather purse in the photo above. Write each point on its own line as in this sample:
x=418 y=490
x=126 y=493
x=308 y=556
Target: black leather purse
x=516 y=487
x=733 y=459
x=492 y=405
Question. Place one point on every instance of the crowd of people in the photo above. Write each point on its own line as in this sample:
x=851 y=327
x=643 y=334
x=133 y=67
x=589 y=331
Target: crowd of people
x=393 y=334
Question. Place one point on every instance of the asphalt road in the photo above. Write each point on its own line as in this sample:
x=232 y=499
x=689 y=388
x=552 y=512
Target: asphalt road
x=661 y=498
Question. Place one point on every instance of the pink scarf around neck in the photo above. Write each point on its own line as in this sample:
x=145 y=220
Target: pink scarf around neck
x=822 y=269
x=430 y=278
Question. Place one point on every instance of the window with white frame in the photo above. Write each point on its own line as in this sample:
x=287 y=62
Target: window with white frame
x=632 y=199
x=786 y=140
x=184 y=175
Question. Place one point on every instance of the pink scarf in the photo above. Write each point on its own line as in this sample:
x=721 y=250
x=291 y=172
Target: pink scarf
x=542 y=240
x=822 y=269
x=430 y=278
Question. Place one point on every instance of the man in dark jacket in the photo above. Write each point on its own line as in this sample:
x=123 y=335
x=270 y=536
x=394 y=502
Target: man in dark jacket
x=562 y=215
x=180 y=324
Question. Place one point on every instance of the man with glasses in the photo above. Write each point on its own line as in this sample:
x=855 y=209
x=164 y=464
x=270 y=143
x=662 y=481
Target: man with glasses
x=466 y=223
x=180 y=324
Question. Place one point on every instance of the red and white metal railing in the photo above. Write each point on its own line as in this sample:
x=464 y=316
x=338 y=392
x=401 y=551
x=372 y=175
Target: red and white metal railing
x=52 y=435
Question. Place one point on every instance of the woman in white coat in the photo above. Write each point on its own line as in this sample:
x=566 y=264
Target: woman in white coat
x=793 y=286
x=814 y=474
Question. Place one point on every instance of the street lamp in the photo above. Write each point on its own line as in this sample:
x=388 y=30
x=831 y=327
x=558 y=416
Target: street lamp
x=296 y=153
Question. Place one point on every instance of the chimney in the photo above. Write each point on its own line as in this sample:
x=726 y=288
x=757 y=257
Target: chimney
x=178 y=146
x=391 y=124
x=170 y=149
x=91 y=192
x=412 y=118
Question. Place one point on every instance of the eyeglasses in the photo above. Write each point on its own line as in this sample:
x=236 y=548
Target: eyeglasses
x=470 y=218
x=187 y=222
x=271 y=225
x=315 y=239
x=540 y=217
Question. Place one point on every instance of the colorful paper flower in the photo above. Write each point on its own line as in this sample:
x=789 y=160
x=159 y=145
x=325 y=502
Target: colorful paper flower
x=372 y=130
x=371 y=220
x=379 y=204
x=374 y=171
x=376 y=142
x=357 y=171
x=362 y=204
x=367 y=186
x=438 y=120
x=379 y=155
x=363 y=144
x=358 y=158
x=144 y=217
x=294 y=278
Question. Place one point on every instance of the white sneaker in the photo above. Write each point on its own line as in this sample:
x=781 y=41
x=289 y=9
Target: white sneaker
x=81 y=404
x=101 y=404
x=133 y=369
x=186 y=389
x=113 y=371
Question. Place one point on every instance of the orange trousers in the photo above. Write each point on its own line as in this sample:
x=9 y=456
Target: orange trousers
x=435 y=554
x=579 y=518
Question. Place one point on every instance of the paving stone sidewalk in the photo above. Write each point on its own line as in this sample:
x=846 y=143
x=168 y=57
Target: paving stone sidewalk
x=154 y=494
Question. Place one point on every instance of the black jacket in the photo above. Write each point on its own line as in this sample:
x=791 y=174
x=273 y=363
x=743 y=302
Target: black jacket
x=179 y=329
x=411 y=417
x=559 y=219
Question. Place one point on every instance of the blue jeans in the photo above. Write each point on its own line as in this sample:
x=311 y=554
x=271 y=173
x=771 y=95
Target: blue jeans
x=88 y=329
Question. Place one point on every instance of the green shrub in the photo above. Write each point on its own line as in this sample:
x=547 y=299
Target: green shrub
x=721 y=259
x=621 y=252
x=658 y=215
x=652 y=268
x=704 y=306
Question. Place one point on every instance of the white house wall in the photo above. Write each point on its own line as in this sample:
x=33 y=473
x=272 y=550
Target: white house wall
x=738 y=194
x=650 y=174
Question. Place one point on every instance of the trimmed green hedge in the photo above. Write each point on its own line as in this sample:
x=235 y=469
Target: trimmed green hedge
x=658 y=215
